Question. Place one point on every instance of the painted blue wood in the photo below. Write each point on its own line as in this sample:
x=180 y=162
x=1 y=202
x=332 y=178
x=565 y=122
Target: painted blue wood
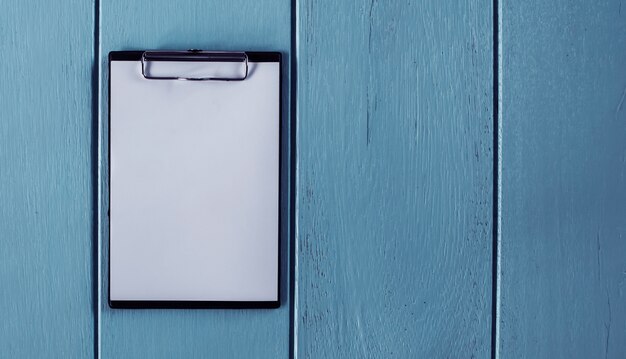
x=213 y=24
x=563 y=243
x=394 y=182
x=46 y=180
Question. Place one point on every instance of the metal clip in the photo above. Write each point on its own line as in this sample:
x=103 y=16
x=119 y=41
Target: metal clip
x=195 y=56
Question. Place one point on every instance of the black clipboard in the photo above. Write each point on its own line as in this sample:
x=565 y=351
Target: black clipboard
x=248 y=65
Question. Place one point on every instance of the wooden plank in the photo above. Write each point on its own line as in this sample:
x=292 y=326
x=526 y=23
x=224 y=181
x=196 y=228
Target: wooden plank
x=213 y=24
x=563 y=244
x=394 y=179
x=46 y=179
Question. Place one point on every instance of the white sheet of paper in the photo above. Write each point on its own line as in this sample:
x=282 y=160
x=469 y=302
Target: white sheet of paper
x=194 y=186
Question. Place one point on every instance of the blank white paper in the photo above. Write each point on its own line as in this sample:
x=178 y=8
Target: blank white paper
x=194 y=186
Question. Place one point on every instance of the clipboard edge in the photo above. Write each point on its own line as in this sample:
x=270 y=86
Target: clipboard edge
x=183 y=304
x=253 y=56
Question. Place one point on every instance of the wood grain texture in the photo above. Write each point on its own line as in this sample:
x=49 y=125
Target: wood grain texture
x=215 y=25
x=563 y=245
x=46 y=180
x=395 y=174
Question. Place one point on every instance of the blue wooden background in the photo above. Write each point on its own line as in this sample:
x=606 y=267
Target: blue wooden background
x=427 y=134
x=563 y=238
x=395 y=182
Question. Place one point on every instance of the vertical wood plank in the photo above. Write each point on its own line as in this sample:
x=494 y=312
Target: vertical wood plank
x=563 y=246
x=212 y=24
x=394 y=179
x=46 y=181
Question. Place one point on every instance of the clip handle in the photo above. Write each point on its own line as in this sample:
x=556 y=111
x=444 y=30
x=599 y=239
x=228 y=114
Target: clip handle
x=194 y=55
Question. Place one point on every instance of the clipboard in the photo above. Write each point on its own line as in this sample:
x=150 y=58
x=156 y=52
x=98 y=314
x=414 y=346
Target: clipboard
x=194 y=179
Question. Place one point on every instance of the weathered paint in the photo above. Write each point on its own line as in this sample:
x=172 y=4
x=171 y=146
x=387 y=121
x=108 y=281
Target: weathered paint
x=46 y=179
x=563 y=243
x=394 y=169
x=164 y=24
